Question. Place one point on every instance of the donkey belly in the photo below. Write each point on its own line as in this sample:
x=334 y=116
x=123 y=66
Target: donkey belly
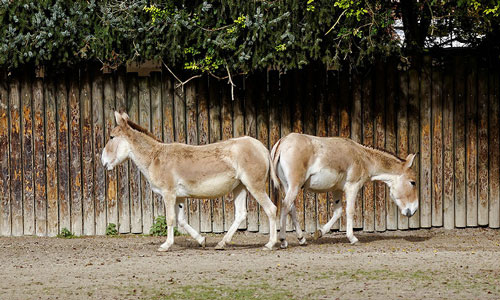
x=212 y=187
x=325 y=180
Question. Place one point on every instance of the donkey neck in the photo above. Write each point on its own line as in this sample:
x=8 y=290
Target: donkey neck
x=143 y=149
x=382 y=163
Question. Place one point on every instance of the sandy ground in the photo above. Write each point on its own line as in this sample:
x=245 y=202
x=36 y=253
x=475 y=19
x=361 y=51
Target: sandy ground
x=432 y=264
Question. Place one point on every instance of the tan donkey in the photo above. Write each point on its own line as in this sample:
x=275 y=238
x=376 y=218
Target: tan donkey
x=334 y=164
x=178 y=171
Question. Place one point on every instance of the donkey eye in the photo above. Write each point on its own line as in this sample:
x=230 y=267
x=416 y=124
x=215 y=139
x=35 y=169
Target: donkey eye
x=111 y=137
x=412 y=183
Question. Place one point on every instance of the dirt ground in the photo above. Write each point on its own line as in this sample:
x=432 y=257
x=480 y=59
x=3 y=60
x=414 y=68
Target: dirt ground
x=418 y=264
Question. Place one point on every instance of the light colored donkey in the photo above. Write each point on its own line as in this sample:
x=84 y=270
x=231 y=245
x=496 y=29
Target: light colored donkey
x=178 y=171
x=334 y=164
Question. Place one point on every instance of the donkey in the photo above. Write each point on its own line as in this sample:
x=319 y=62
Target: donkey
x=334 y=164
x=177 y=171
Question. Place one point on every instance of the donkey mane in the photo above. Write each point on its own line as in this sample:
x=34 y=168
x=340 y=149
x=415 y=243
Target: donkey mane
x=142 y=130
x=384 y=152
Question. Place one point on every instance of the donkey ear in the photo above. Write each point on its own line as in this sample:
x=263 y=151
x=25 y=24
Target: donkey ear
x=120 y=121
x=409 y=160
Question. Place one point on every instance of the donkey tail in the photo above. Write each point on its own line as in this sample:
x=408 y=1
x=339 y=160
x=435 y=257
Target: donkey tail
x=274 y=160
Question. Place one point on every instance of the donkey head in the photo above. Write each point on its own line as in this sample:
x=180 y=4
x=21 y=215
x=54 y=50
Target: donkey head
x=118 y=148
x=403 y=187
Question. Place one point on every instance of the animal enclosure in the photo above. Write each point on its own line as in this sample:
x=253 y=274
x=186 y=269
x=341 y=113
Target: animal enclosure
x=53 y=129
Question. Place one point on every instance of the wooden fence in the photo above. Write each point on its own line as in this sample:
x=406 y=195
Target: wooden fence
x=52 y=132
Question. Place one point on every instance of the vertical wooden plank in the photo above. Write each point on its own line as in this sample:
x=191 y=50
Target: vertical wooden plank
x=156 y=129
x=286 y=102
x=425 y=145
x=39 y=158
x=321 y=130
x=251 y=130
x=214 y=136
x=333 y=128
x=482 y=163
x=145 y=121
x=357 y=135
x=5 y=214
x=192 y=139
x=101 y=193
x=75 y=182
x=87 y=153
x=239 y=118
x=134 y=173
x=437 y=149
x=64 y=175
x=494 y=153
x=167 y=100
x=27 y=156
x=16 y=163
x=109 y=207
x=309 y=103
x=120 y=210
x=262 y=136
x=368 y=136
x=345 y=126
x=227 y=132
x=202 y=96
x=459 y=121
x=448 y=170
x=297 y=126
x=390 y=138
x=380 y=212
x=402 y=125
x=413 y=134
x=179 y=119
x=274 y=126
x=471 y=143
x=51 y=154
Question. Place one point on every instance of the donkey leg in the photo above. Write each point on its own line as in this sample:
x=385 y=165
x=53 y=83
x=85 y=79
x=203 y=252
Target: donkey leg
x=170 y=216
x=181 y=219
x=351 y=192
x=270 y=210
x=240 y=207
x=298 y=230
x=337 y=212
x=285 y=210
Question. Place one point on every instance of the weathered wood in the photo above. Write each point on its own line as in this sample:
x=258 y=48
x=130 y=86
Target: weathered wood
x=402 y=126
x=390 y=139
x=321 y=130
x=64 y=178
x=471 y=143
x=51 y=167
x=413 y=135
x=344 y=128
x=239 y=118
x=156 y=129
x=120 y=211
x=16 y=163
x=179 y=120
x=437 y=150
x=145 y=121
x=459 y=122
x=134 y=173
x=5 y=213
x=425 y=144
x=286 y=82
x=482 y=158
x=39 y=158
x=297 y=126
x=448 y=160
x=251 y=130
x=333 y=128
x=107 y=210
x=192 y=139
x=101 y=96
x=27 y=157
x=206 y=222
x=214 y=126
x=379 y=118
x=494 y=153
x=167 y=100
x=227 y=218
x=368 y=140
x=88 y=183
x=310 y=219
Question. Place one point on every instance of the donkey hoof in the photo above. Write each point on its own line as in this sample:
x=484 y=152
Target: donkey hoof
x=284 y=244
x=202 y=242
x=268 y=247
x=161 y=249
x=220 y=246
x=353 y=240
x=318 y=234
x=303 y=241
